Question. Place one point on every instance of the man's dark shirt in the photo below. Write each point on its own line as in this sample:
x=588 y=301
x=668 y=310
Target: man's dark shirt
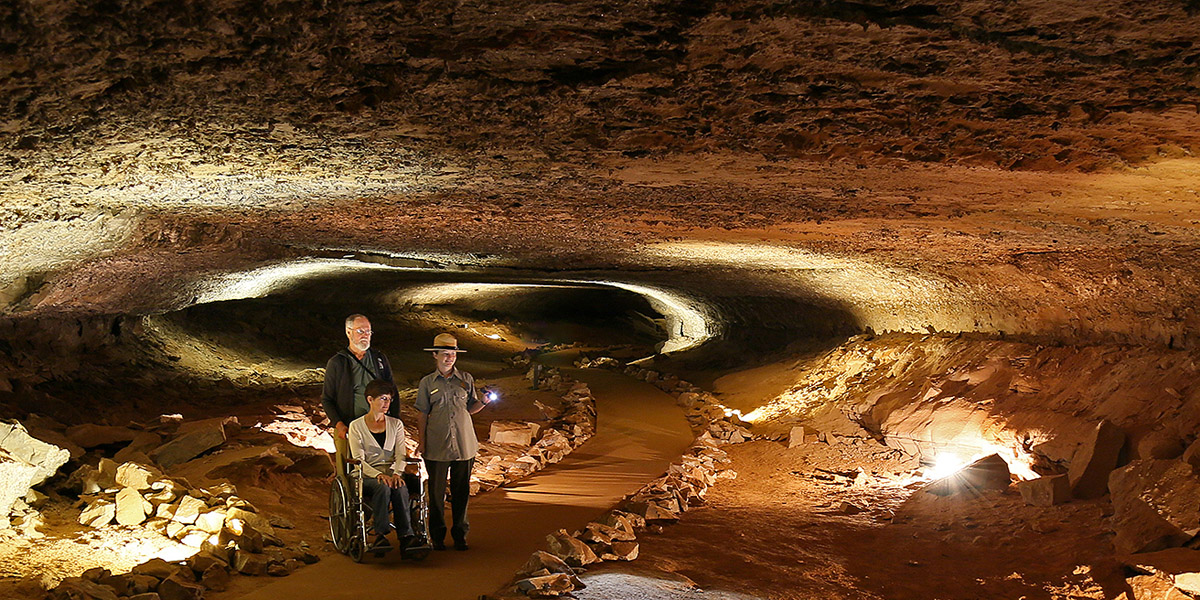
x=338 y=395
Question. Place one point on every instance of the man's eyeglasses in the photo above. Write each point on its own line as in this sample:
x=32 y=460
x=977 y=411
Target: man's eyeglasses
x=363 y=331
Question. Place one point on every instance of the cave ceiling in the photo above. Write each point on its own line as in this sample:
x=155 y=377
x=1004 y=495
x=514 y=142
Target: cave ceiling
x=1021 y=166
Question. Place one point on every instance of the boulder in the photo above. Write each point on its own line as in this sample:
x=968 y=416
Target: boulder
x=987 y=473
x=90 y=435
x=215 y=577
x=801 y=435
x=132 y=508
x=624 y=550
x=24 y=462
x=540 y=560
x=177 y=588
x=141 y=445
x=157 y=568
x=570 y=550
x=255 y=520
x=212 y=521
x=98 y=514
x=146 y=596
x=1180 y=567
x=1150 y=587
x=50 y=431
x=136 y=476
x=78 y=588
x=1094 y=460
x=1156 y=505
x=130 y=584
x=189 y=510
x=250 y=563
x=190 y=441
x=546 y=586
x=1045 y=491
x=511 y=432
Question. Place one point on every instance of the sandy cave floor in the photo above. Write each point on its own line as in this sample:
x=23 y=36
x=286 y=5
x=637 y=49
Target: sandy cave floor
x=774 y=532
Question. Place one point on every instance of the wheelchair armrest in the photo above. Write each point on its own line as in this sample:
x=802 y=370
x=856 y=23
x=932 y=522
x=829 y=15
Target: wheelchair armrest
x=352 y=461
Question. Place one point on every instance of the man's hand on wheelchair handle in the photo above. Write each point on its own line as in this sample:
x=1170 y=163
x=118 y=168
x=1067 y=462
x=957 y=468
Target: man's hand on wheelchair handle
x=340 y=430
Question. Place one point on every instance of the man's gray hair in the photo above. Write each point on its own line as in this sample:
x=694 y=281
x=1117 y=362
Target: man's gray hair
x=350 y=319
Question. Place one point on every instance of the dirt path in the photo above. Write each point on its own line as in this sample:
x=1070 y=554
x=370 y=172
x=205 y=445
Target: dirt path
x=639 y=432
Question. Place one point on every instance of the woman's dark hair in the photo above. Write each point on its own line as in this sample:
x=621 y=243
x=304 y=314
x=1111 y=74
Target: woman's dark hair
x=380 y=387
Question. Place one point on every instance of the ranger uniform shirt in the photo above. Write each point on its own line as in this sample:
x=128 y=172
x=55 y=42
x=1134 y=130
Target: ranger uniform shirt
x=446 y=403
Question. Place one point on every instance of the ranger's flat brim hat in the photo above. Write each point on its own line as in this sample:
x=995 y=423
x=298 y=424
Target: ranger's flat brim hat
x=444 y=341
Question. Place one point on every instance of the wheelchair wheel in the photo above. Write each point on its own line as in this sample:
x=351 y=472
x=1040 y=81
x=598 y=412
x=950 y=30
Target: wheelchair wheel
x=341 y=516
x=356 y=548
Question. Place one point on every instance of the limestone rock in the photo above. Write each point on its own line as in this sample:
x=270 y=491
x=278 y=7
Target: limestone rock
x=249 y=563
x=141 y=445
x=625 y=550
x=1179 y=567
x=570 y=550
x=987 y=473
x=1156 y=505
x=1150 y=587
x=215 y=577
x=146 y=596
x=135 y=476
x=1045 y=491
x=801 y=435
x=255 y=520
x=190 y=441
x=540 y=560
x=131 y=507
x=78 y=588
x=157 y=568
x=90 y=435
x=848 y=508
x=177 y=588
x=511 y=432
x=189 y=510
x=24 y=462
x=212 y=521
x=130 y=584
x=546 y=586
x=1094 y=460
x=98 y=514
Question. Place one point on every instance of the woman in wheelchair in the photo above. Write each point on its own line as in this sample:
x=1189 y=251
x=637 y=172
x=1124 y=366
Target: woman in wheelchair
x=377 y=441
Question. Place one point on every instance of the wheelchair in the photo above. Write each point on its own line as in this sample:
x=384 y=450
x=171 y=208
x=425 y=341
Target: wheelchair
x=350 y=512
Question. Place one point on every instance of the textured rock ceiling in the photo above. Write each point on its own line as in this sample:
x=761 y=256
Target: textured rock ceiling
x=1024 y=166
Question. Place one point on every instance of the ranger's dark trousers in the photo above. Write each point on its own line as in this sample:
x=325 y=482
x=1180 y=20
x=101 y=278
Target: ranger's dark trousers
x=460 y=493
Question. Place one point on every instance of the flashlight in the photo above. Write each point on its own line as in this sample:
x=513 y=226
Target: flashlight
x=493 y=396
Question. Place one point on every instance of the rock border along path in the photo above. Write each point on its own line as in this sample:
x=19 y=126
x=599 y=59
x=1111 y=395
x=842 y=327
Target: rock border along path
x=640 y=431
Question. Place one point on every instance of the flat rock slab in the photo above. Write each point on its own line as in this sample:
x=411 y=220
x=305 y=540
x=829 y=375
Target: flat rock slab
x=1094 y=460
x=1178 y=566
x=987 y=473
x=190 y=441
x=1156 y=505
x=1045 y=491
x=90 y=435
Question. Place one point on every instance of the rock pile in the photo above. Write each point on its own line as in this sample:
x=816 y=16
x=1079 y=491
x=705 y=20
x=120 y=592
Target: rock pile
x=511 y=454
x=158 y=579
x=614 y=536
x=24 y=462
x=228 y=534
x=1170 y=574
